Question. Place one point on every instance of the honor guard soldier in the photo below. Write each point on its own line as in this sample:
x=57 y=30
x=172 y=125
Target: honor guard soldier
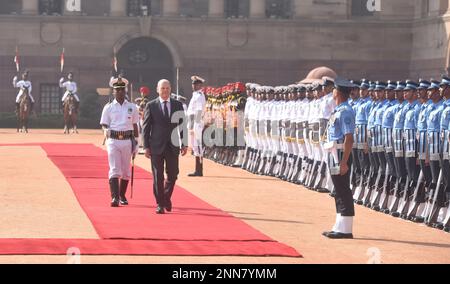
x=434 y=149
x=362 y=111
x=238 y=106
x=381 y=202
x=71 y=89
x=445 y=119
x=248 y=138
x=422 y=138
x=355 y=173
x=411 y=115
x=196 y=110
x=326 y=108
x=119 y=121
x=120 y=77
x=314 y=134
x=399 y=149
x=141 y=103
x=25 y=87
x=340 y=142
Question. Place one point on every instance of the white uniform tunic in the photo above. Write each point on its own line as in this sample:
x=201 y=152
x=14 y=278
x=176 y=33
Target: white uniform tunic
x=71 y=88
x=197 y=105
x=119 y=118
x=22 y=85
x=247 y=110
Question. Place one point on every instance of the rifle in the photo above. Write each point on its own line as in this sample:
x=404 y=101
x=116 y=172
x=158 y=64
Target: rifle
x=132 y=176
x=134 y=144
x=418 y=198
x=435 y=204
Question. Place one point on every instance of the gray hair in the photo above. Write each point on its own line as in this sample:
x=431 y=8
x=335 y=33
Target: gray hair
x=161 y=82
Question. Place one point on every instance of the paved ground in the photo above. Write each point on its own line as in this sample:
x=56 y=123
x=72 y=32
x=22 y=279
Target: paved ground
x=290 y=214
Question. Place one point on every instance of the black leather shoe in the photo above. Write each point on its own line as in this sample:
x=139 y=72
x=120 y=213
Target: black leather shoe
x=168 y=207
x=439 y=226
x=115 y=202
x=160 y=210
x=335 y=235
x=195 y=175
x=418 y=220
x=325 y=234
x=395 y=214
x=123 y=201
x=447 y=229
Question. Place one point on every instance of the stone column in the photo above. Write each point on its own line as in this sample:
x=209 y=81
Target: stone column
x=303 y=8
x=118 y=8
x=170 y=8
x=216 y=8
x=257 y=8
x=30 y=7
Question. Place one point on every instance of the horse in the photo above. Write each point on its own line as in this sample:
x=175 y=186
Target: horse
x=70 y=114
x=24 y=112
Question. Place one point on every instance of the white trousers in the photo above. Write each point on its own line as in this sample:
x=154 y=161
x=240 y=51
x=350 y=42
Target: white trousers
x=119 y=158
x=18 y=98
x=74 y=95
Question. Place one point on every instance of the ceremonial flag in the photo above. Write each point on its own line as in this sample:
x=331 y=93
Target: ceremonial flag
x=16 y=59
x=115 y=61
x=62 y=60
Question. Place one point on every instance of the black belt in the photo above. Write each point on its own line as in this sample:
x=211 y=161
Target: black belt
x=121 y=135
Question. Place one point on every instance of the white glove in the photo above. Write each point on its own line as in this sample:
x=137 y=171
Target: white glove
x=106 y=132
x=61 y=80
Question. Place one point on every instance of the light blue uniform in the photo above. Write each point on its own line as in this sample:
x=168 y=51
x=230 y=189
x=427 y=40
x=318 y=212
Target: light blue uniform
x=410 y=129
x=445 y=121
x=398 y=126
x=422 y=130
x=388 y=125
x=342 y=123
x=434 y=130
x=362 y=112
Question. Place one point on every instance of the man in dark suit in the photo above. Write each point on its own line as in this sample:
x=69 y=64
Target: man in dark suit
x=165 y=132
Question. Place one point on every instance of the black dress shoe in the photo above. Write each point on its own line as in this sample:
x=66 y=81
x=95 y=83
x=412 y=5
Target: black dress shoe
x=168 y=207
x=123 y=201
x=115 y=202
x=439 y=226
x=335 y=235
x=159 y=210
x=447 y=229
x=195 y=175
x=325 y=234
x=418 y=220
x=395 y=214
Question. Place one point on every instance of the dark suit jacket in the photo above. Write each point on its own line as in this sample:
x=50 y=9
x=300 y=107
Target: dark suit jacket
x=158 y=131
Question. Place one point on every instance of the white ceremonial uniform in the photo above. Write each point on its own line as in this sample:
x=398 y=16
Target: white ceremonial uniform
x=301 y=108
x=307 y=105
x=119 y=118
x=314 y=118
x=197 y=105
x=257 y=114
x=71 y=88
x=22 y=85
x=276 y=134
x=295 y=115
x=327 y=107
x=247 y=110
x=265 y=116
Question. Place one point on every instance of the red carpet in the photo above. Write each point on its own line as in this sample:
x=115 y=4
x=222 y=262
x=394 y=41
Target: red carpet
x=193 y=228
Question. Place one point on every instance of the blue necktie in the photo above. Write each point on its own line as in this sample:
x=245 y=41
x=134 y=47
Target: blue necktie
x=166 y=111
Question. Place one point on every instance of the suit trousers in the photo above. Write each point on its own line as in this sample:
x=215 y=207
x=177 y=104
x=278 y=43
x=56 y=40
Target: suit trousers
x=163 y=189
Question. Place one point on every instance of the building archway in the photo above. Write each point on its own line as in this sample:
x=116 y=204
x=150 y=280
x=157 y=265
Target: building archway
x=145 y=61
